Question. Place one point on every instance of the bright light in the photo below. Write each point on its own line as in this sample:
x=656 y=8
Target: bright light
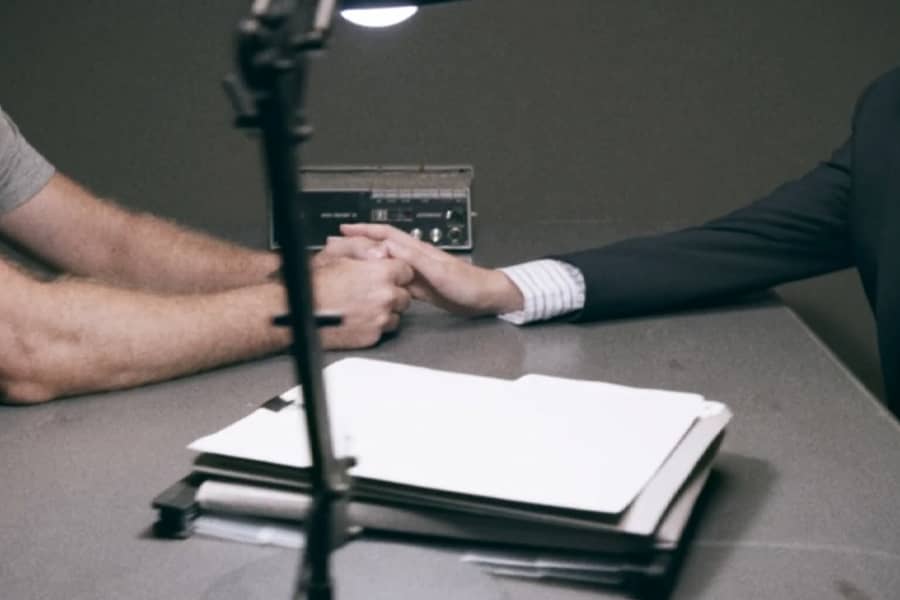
x=379 y=17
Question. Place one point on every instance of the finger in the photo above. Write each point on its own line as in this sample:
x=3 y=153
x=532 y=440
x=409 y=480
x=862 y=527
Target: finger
x=422 y=263
x=355 y=247
x=401 y=301
x=393 y=322
x=321 y=259
x=388 y=233
x=400 y=272
x=369 y=230
x=421 y=291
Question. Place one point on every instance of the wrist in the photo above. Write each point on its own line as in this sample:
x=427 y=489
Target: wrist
x=504 y=296
x=269 y=264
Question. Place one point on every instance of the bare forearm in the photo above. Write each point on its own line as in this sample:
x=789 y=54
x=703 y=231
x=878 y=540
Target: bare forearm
x=73 y=230
x=79 y=337
x=159 y=255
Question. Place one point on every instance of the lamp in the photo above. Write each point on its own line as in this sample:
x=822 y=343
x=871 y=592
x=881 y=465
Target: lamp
x=379 y=14
x=271 y=49
x=388 y=3
x=379 y=17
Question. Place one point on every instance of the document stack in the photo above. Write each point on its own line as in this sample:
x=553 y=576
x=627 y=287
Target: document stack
x=537 y=477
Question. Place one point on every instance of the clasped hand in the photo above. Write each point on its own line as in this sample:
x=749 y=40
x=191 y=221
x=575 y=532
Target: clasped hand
x=370 y=275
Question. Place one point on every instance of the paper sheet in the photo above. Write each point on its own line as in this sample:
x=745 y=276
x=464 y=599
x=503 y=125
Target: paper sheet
x=540 y=440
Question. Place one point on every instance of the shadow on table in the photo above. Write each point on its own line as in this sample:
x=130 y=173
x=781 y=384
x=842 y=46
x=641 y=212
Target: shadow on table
x=731 y=501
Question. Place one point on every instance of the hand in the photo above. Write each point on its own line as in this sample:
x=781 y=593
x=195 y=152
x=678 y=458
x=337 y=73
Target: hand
x=337 y=247
x=369 y=296
x=442 y=279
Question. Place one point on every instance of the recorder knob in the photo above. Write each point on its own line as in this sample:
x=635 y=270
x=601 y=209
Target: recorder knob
x=455 y=234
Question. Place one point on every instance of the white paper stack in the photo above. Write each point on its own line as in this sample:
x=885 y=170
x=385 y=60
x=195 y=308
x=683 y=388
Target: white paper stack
x=539 y=462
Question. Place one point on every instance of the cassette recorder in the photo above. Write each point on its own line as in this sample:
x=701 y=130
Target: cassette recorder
x=431 y=203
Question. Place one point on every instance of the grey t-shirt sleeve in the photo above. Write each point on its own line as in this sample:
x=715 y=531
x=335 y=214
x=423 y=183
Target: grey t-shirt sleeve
x=23 y=171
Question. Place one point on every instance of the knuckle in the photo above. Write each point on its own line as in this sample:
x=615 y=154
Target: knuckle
x=379 y=296
x=357 y=244
x=371 y=337
x=333 y=243
x=381 y=319
x=387 y=271
x=401 y=299
x=393 y=322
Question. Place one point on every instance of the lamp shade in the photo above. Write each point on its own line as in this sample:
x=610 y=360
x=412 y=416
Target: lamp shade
x=349 y=4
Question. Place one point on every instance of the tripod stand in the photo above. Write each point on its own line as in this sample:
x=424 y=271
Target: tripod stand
x=272 y=47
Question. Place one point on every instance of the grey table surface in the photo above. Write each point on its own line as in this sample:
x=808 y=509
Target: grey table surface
x=803 y=502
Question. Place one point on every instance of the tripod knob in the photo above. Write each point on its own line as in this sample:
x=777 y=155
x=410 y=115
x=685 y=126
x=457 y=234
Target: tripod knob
x=245 y=117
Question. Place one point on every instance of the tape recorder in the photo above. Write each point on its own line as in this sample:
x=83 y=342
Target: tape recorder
x=432 y=203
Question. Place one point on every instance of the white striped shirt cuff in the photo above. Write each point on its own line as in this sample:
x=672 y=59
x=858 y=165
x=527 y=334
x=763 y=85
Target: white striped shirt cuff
x=550 y=288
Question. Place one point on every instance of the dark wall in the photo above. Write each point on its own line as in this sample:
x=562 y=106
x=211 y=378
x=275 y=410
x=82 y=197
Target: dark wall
x=651 y=114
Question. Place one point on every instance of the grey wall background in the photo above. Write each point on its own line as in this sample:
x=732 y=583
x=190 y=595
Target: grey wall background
x=645 y=113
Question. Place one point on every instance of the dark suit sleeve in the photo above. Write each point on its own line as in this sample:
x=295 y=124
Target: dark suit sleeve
x=798 y=231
